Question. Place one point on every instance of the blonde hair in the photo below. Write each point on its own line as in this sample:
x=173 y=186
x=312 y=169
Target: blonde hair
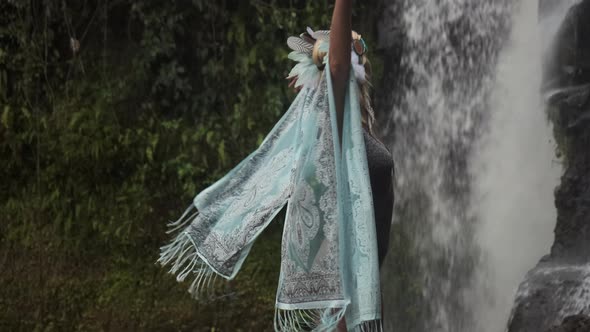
x=367 y=113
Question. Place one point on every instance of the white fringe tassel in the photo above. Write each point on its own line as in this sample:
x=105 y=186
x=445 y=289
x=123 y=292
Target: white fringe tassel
x=182 y=255
x=317 y=320
x=183 y=221
x=369 y=326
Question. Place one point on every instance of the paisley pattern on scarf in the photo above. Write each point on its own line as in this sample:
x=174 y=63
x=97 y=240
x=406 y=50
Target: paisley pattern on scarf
x=362 y=277
x=329 y=262
x=309 y=265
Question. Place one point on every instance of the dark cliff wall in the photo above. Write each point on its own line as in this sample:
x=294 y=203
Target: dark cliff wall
x=554 y=295
x=568 y=70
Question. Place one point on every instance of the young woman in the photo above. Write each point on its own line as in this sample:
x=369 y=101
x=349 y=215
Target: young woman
x=379 y=159
x=323 y=162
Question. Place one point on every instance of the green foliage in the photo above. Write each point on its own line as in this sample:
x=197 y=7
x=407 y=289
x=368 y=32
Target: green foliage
x=113 y=115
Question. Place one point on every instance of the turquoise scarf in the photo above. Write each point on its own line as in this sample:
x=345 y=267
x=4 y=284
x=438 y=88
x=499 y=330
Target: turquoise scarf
x=329 y=265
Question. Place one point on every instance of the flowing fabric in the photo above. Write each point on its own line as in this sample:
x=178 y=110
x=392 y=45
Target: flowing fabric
x=329 y=264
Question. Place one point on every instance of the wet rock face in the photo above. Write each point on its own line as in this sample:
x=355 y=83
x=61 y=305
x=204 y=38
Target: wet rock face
x=551 y=292
x=576 y=323
x=555 y=296
x=572 y=233
x=567 y=84
x=569 y=62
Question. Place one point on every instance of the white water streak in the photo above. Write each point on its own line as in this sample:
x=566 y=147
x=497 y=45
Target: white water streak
x=451 y=51
x=515 y=174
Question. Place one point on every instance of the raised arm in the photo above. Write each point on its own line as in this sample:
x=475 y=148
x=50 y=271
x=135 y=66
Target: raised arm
x=339 y=55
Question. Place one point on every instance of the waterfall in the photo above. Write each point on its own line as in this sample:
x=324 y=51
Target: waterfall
x=474 y=163
x=447 y=66
x=514 y=172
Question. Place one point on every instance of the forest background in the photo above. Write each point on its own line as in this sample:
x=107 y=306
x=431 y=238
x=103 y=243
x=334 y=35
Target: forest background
x=113 y=115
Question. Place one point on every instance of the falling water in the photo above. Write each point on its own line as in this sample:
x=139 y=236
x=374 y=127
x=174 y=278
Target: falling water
x=514 y=172
x=474 y=159
x=448 y=67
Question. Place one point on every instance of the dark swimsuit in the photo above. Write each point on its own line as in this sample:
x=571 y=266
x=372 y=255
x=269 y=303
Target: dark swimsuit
x=380 y=162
